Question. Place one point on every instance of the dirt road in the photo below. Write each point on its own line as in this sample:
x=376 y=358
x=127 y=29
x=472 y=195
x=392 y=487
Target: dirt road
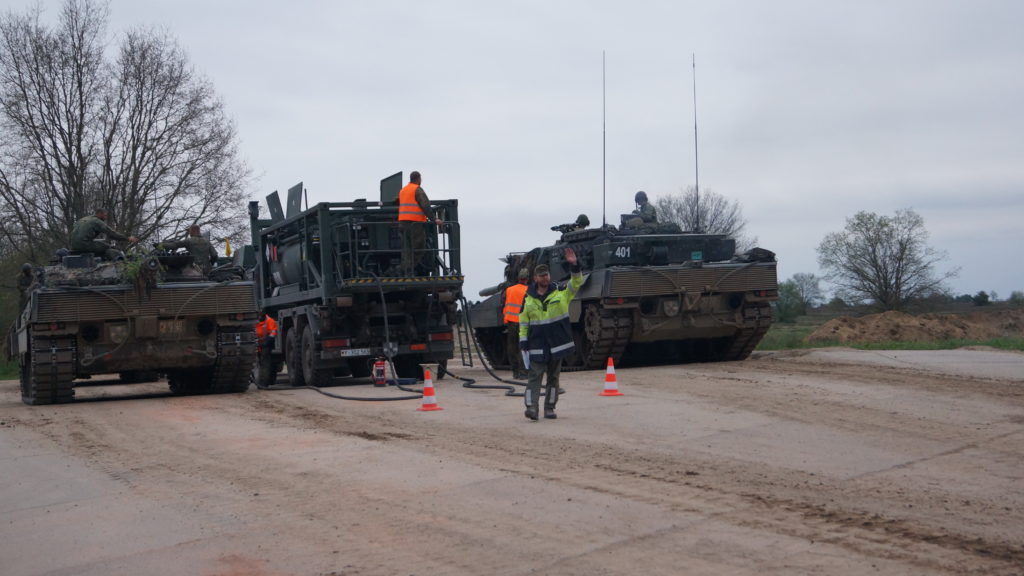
x=819 y=462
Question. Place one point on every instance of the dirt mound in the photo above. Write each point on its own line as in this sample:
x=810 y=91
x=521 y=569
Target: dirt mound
x=903 y=327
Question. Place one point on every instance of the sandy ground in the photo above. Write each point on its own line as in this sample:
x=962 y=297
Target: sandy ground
x=829 y=461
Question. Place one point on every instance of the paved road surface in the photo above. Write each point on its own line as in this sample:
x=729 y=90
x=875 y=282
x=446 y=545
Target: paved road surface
x=814 y=462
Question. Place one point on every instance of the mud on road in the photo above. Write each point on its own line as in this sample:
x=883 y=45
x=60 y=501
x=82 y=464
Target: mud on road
x=814 y=462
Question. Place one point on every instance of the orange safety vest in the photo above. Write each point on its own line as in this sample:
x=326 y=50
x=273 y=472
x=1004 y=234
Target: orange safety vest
x=266 y=328
x=408 y=209
x=514 y=296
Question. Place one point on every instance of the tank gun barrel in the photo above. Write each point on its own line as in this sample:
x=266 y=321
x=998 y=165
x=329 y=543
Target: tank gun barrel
x=490 y=291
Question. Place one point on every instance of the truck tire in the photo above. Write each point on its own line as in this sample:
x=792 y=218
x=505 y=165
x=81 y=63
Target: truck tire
x=293 y=358
x=315 y=376
x=265 y=372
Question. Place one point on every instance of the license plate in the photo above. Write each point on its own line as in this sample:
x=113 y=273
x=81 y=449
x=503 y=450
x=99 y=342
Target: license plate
x=354 y=352
x=172 y=327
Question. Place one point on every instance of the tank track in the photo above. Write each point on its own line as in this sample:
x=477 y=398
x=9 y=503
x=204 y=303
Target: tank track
x=46 y=377
x=230 y=373
x=603 y=333
x=756 y=321
x=236 y=354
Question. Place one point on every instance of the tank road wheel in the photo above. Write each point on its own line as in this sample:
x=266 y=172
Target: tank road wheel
x=492 y=345
x=293 y=358
x=600 y=333
x=314 y=376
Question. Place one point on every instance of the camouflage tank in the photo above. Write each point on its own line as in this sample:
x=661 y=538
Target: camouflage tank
x=84 y=317
x=654 y=295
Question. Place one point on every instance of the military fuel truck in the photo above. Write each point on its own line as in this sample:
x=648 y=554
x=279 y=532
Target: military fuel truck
x=135 y=318
x=330 y=276
x=654 y=294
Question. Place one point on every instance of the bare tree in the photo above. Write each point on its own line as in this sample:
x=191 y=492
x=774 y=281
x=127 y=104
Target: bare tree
x=144 y=136
x=49 y=82
x=883 y=260
x=711 y=213
x=808 y=290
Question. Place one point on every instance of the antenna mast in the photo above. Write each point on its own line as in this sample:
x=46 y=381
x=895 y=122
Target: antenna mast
x=696 y=165
x=604 y=146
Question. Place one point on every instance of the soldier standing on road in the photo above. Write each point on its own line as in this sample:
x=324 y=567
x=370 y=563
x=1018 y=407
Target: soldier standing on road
x=514 y=296
x=83 y=236
x=546 y=334
x=413 y=214
x=198 y=246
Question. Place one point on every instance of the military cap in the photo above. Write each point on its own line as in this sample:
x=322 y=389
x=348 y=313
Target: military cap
x=540 y=269
x=523 y=273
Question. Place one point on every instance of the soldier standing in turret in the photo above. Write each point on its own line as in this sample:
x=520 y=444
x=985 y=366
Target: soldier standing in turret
x=198 y=246
x=645 y=213
x=83 y=236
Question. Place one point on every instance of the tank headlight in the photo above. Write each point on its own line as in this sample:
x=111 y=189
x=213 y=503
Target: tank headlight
x=118 y=332
x=671 y=307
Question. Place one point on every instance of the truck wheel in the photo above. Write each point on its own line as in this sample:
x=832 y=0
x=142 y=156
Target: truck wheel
x=314 y=376
x=293 y=358
x=265 y=372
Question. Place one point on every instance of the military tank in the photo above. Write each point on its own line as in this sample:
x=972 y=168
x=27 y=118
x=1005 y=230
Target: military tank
x=155 y=314
x=654 y=294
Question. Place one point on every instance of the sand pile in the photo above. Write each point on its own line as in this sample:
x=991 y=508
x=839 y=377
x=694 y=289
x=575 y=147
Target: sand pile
x=903 y=327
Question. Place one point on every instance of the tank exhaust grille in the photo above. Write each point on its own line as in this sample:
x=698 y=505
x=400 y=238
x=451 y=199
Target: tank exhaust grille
x=102 y=303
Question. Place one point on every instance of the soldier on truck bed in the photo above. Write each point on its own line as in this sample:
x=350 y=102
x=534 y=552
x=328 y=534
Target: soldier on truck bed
x=83 y=236
x=413 y=214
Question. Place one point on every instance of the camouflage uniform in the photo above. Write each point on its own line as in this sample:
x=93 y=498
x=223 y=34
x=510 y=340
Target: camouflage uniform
x=646 y=218
x=25 y=282
x=199 y=247
x=83 y=238
x=415 y=260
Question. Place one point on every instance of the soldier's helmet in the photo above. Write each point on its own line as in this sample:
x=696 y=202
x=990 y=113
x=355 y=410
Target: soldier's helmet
x=26 y=267
x=582 y=221
x=641 y=196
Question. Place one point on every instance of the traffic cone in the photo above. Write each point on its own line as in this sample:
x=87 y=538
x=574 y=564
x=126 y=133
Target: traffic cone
x=611 y=387
x=429 y=400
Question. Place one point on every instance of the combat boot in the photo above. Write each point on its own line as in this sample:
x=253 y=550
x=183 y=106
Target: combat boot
x=549 y=412
x=531 y=413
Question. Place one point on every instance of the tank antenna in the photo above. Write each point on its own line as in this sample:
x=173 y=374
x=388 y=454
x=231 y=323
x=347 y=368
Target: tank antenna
x=696 y=165
x=604 y=147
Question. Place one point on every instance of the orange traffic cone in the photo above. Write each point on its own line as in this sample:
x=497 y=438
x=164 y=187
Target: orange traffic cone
x=429 y=400
x=611 y=387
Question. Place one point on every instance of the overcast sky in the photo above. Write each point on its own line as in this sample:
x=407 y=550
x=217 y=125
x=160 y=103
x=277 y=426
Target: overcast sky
x=808 y=111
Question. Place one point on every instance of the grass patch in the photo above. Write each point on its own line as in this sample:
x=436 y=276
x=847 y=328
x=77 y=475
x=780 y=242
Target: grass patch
x=1016 y=344
x=8 y=370
x=786 y=337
